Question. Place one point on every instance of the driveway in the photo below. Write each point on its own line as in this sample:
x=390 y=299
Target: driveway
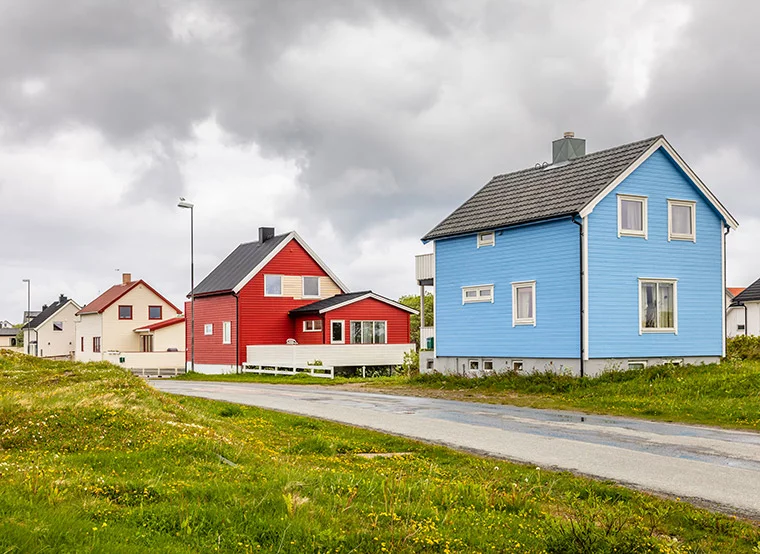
x=706 y=465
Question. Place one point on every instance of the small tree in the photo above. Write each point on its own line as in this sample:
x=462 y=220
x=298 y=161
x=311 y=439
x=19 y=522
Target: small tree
x=413 y=301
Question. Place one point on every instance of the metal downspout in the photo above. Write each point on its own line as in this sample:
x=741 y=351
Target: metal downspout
x=580 y=272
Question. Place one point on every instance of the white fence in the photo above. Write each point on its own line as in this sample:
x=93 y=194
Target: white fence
x=312 y=370
x=147 y=360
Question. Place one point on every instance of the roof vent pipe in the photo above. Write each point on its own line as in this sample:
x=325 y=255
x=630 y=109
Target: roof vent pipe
x=266 y=233
x=568 y=148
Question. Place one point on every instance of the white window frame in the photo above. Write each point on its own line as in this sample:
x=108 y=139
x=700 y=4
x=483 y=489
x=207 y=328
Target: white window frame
x=208 y=329
x=525 y=320
x=644 y=216
x=226 y=332
x=470 y=363
x=514 y=365
x=313 y=329
x=58 y=324
x=265 y=285
x=342 y=331
x=642 y=363
x=363 y=322
x=303 y=287
x=482 y=238
x=478 y=294
x=487 y=361
x=672 y=330
x=678 y=236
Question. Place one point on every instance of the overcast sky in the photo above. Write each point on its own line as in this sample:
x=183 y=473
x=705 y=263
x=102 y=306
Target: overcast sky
x=359 y=124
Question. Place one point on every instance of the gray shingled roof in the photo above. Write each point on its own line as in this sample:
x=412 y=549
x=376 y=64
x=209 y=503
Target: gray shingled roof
x=46 y=313
x=540 y=193
x=237 y=265
x=8 y=331
x=315 y=307
x=750 y=294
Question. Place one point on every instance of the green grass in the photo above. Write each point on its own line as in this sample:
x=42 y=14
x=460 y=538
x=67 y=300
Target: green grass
x=93 y=459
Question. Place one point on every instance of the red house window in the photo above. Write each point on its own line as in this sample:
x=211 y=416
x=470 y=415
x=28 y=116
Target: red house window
x=82 y=346
x=154 y=312
x=96 y=344
x=125 y=312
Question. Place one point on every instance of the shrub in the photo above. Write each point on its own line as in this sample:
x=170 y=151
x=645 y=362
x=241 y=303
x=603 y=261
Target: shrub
x=744 y=347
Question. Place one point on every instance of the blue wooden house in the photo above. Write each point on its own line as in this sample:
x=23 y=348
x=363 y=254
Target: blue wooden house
x=608 y=260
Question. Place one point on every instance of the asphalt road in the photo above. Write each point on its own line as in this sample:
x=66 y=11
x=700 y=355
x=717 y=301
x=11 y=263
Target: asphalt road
x=711 y=466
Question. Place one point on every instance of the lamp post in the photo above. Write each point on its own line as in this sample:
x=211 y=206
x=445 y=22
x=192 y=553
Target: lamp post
x=184 y=204
x=28 y=313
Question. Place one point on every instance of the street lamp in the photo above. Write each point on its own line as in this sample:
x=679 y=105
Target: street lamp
x=28 y=313
x=184 y=204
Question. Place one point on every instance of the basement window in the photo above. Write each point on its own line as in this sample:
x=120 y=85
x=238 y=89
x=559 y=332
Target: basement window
x=637 y=364
x=488 y=365
x=474 y=365
x=517 y=365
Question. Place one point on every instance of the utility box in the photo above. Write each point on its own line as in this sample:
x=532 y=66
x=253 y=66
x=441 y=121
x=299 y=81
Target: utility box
x=430 y=343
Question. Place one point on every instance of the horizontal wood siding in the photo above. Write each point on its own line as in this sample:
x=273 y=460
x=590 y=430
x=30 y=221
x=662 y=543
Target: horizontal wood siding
x=264 y=319
x=547 y=253
x=397 y=328
x=616 y=263
x=309 y=337
x=209 y=348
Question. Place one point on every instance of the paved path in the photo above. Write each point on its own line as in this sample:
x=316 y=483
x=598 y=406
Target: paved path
x=718 y=467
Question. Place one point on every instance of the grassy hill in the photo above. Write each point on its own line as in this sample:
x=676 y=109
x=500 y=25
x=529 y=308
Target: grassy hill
x=94 y=459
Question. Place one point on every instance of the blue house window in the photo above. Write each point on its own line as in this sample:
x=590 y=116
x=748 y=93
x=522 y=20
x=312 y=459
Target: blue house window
x=524 y=303
x=682 y=221
x=658 y=301
x=486 y=239
x=477 y=293
x=632 y=216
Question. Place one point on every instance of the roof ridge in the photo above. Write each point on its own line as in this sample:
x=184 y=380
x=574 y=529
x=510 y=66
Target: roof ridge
x=259 y=242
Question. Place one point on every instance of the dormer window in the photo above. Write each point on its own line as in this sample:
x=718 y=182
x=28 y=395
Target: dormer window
x=682 y=222
x=486 y=239
x=632 y=216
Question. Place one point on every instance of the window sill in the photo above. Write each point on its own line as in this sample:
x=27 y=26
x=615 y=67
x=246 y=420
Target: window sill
x=524 y=322
x=670 y=331
x=684 y=238
x=312 y=330
x=631 y=234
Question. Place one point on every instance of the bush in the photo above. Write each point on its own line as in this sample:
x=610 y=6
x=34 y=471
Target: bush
x=744 y=347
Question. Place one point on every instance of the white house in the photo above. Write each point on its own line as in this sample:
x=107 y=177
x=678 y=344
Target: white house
x=8 y=339
x=52 y=333
x=743 y=314
x=133 y=325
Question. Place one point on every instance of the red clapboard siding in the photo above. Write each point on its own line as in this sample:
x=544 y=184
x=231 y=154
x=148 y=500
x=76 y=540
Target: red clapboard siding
x=264 y=319
x=309 y=337
x=397 y=328
x=209 y=348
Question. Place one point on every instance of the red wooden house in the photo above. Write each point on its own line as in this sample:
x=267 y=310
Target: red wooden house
x=275 y=302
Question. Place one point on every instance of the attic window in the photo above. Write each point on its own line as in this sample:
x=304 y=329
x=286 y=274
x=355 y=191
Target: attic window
x=311 y=287
x=486 y=239
x=682 y=220
x=632 y=216
x=58 y=326
x=125 y=312
x=272 y=285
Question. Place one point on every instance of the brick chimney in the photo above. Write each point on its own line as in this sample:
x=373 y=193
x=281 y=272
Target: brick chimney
x=126 y=278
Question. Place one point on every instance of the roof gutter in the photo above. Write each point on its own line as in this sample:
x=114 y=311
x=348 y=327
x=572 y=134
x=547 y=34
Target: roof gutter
x=427 y=238
x=583 y=307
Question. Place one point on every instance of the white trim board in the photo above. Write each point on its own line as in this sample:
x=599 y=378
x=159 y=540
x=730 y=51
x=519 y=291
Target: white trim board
x=291 y=236
x=662 y=143
x=374 y=296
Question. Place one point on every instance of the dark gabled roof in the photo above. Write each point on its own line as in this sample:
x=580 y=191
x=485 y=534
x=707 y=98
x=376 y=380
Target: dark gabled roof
x=316 y=307
x=750 y=294
x=321 y=306
x=47 y=313
x=540 y=193
x=235 y=267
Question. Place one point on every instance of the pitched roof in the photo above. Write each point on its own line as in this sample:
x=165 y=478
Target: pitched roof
x=8 y=331
x=339 y=300
x=235 y=267
x=247 y=260
x=110 y=296
x=750 y=294
x=733 y=291
x=540 y=193
x=160 y=324
x=561 y=189
x=48 y=312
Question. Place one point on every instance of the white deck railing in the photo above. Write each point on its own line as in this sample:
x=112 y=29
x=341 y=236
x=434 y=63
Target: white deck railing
x=313 y=370
x=424 y=266
x=302 y=356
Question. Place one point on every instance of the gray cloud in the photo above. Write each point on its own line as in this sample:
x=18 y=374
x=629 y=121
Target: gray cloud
x=394 y=111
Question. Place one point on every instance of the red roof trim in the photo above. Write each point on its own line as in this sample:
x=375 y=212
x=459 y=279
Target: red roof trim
x=161 y=324
x=113 y=294
x=735 y=291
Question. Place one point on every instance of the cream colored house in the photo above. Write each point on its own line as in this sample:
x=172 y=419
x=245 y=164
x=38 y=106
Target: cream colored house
x=8 y=339
x=52 y=333
x=133 y=325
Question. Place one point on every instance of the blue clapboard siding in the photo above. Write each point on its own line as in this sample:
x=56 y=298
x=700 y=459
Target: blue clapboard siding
x=616 y=263
x=547 y=253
